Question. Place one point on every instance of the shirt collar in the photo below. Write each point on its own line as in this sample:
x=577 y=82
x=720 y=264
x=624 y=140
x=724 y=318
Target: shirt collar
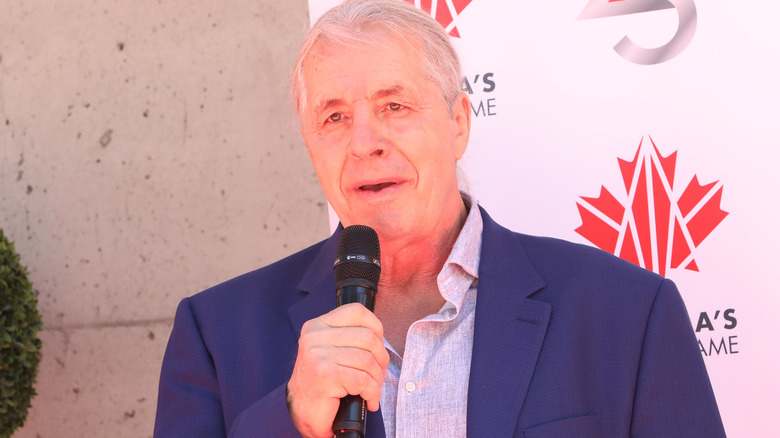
x=462 y=264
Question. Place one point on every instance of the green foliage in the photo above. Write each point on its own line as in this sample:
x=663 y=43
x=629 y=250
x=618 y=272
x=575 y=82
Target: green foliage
x=20 y=349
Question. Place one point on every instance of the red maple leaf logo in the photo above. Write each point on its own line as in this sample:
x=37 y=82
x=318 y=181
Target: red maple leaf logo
x=652 y=228
x=441 y=11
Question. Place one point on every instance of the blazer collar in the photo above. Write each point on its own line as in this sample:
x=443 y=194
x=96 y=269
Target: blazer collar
x=509 y=328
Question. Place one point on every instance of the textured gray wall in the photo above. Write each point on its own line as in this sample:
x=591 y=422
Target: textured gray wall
x=147 y=151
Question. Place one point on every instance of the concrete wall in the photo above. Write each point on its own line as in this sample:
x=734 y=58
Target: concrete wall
x=147 y=151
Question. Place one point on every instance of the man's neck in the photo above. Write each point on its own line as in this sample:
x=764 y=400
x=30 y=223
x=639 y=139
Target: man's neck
x=408 y=289
x=418 y=262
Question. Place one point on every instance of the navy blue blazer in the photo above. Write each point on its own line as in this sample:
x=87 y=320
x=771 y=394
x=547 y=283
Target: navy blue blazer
x=569 y=341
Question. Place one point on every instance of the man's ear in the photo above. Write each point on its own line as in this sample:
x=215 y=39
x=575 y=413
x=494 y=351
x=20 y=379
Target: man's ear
x=461 y=114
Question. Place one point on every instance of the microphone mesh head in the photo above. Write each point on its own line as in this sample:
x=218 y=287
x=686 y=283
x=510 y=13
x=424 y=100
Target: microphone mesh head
x=354 y=240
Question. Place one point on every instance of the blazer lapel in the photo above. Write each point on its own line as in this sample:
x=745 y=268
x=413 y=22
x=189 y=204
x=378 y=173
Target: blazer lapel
x=317 y=286
x=509 y=329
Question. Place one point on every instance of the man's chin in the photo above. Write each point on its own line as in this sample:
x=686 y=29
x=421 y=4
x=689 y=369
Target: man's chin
x=387 y=226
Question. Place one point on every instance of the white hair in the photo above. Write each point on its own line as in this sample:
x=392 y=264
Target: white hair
x=347 y=23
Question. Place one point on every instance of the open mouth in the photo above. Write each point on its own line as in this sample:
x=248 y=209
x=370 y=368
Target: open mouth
x=376 y=187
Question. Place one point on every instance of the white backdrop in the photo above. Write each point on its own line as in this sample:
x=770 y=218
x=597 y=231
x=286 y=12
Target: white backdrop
x=689 y=89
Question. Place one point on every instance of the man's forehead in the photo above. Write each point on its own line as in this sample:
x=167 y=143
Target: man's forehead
x=329 y=97
x=336 y=73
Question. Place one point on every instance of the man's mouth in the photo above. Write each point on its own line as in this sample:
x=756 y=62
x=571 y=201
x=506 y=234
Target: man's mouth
x=376 y=187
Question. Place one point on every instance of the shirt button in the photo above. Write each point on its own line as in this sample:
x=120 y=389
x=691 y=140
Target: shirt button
x=410 y=387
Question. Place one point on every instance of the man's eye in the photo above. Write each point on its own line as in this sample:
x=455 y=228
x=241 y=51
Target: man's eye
x=392 y=106
x=335 y=117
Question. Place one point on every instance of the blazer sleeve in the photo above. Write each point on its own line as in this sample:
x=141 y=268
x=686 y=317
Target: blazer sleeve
x=673 y=395
x=190 y=399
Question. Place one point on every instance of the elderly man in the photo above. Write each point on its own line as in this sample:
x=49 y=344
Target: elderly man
x=477 y=331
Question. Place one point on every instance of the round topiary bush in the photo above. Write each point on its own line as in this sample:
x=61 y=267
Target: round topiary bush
x=20 y=348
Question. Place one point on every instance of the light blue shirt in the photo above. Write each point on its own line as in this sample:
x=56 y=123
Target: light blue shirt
x=425 y=392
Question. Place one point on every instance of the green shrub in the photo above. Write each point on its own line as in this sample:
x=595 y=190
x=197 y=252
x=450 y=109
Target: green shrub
x=20 y=349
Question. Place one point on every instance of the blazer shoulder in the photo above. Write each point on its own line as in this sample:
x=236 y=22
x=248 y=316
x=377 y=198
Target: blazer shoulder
x=559 y=261
x=551 y=255
x=559 y=252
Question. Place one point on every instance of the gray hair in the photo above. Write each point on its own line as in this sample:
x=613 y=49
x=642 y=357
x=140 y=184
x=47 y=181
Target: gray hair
x=345 y=24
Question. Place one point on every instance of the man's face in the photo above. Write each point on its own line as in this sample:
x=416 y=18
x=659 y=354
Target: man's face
x=381 y=137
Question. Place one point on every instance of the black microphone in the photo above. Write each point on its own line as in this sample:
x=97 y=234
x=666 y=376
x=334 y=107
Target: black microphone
x=357 y=271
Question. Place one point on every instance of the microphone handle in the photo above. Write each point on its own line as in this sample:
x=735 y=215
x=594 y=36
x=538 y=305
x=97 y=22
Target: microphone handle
x=350 y=421
x=356 y=290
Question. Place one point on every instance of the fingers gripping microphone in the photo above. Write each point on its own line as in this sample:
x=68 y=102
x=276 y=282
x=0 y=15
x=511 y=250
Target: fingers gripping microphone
x=357 y=271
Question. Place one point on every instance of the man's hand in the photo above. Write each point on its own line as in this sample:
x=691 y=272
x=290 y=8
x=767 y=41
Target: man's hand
x=339 y=353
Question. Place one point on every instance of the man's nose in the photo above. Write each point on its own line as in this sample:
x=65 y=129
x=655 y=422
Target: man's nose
x=367 y=138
